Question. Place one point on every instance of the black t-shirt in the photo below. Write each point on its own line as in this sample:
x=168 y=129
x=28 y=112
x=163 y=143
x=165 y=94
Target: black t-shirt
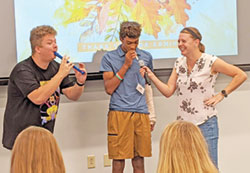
x=20 y=112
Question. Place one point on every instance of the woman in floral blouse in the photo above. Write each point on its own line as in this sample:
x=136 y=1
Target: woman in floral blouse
x=194 y=76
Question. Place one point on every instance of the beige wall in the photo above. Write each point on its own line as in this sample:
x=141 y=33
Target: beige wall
x=81 y=129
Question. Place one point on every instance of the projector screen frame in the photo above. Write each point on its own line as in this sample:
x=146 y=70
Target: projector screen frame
x=8 y=44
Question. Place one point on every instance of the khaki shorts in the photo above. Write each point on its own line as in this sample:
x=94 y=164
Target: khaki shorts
x=129 y=135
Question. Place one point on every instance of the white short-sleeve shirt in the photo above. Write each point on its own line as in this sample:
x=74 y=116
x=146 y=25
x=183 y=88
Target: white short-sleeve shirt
x=195 y=87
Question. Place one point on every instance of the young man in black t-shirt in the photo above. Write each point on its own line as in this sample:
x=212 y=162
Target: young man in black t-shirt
x=35 y=86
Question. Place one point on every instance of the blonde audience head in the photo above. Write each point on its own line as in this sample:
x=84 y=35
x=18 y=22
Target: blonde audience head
x=183 y=149
x=36 y=151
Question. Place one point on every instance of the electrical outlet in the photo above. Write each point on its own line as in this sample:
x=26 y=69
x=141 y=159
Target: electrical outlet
x=106 y=160
x=91 y=161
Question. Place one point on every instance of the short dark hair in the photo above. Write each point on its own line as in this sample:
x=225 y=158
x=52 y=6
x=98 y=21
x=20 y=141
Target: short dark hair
x=130 y=29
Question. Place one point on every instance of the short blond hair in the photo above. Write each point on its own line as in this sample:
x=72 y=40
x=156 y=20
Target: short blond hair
x=183 y=149
x=36 y=150
x=37 y=34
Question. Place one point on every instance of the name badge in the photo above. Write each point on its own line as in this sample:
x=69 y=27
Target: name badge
x=140 y=88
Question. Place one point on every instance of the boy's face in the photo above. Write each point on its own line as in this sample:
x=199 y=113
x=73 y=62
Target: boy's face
x=129 y=43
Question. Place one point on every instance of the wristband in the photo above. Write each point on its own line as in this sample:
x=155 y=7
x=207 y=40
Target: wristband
x=224 y=93
x=118 y=76
x=79 y=84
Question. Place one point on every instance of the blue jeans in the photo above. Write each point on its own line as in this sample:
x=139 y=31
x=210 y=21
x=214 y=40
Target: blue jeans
x=210 y=131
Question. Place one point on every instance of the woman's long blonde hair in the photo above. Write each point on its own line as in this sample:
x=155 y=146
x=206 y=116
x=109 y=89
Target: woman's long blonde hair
x=183 y=149
x=36 y=151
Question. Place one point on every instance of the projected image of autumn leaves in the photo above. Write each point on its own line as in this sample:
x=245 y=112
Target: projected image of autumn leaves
x=105 y=16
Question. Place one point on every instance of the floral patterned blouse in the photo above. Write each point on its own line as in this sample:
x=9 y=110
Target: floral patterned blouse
x=195 y=87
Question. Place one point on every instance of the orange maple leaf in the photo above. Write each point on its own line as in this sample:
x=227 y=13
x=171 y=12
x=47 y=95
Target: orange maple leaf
x=146 y=13
x=130 y=3
x=166 y=23
x=73 y=11
x=103 y=16
x=177 y=8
